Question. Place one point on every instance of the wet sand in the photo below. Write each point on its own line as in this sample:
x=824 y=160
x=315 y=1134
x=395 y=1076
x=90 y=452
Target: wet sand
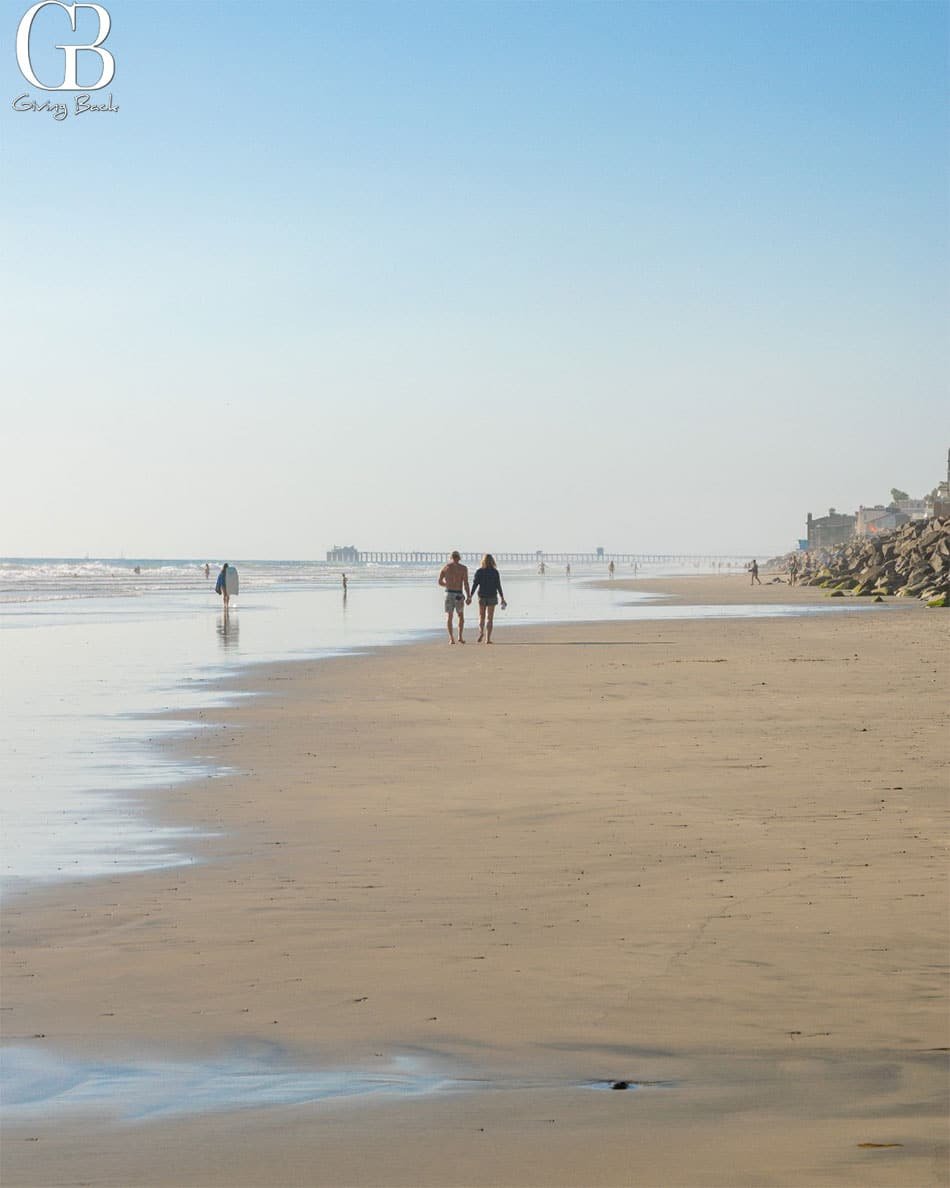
x=705 y=856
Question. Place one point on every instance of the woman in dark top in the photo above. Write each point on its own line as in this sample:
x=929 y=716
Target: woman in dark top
x=220 y=586
x=488 y=584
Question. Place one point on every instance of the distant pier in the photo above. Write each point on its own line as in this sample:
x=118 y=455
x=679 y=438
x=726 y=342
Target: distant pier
x=352 y=556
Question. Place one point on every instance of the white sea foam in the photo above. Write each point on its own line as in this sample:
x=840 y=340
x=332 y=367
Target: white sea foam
x=24 y=580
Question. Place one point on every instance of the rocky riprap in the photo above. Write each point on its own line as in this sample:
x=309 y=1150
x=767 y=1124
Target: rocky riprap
x=911 y=562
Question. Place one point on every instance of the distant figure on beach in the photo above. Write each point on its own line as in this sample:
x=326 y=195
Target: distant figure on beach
x=793 y=571
x=221 y=585
x=137 y=569
x=488 y=584
x=207 y=570
x=454 y=579
x=541 y=569
x=754 y=570
x=568 y=569
x=344 y=585
x=610 y=569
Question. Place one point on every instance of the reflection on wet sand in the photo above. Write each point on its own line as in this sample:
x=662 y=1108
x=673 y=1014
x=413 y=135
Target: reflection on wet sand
x=229 y=627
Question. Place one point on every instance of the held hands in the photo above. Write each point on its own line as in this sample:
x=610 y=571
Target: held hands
x=468 y=601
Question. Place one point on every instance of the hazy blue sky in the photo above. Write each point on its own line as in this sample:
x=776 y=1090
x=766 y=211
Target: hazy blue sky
x=493 y=275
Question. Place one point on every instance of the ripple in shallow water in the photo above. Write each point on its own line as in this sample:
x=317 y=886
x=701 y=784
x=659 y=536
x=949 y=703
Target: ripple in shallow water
x=36 y=1082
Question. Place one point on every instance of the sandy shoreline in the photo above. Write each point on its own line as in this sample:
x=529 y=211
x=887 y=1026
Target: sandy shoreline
x=709 y=853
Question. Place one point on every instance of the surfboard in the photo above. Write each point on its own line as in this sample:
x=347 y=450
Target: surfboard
x=231 y=581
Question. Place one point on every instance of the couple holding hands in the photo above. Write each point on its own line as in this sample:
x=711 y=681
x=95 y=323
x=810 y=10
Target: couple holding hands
x=487 y=581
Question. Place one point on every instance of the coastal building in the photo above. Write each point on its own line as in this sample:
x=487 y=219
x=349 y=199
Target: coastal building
x=825 y=532
x=343 y=555
x=913 y=509
x=938 y=501
x=871 y=520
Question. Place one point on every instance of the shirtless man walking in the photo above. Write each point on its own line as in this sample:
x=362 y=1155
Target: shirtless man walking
x=454 y=579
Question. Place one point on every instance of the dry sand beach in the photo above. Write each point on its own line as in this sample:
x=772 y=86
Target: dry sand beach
x=704 y=857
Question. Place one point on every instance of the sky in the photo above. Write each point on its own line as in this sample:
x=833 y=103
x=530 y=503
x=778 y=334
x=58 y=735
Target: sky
x=644 y=276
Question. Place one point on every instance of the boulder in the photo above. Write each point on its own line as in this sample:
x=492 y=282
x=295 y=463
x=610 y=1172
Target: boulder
x=912 y=561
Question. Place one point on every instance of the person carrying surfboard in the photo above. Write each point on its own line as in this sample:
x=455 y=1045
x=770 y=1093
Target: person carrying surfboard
x=221 y=585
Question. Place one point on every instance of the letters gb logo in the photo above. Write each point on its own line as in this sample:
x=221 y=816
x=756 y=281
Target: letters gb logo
x=70 y=82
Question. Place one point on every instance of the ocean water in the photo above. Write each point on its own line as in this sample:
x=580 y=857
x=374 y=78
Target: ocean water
x=91 y=650
x=38 y=1082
